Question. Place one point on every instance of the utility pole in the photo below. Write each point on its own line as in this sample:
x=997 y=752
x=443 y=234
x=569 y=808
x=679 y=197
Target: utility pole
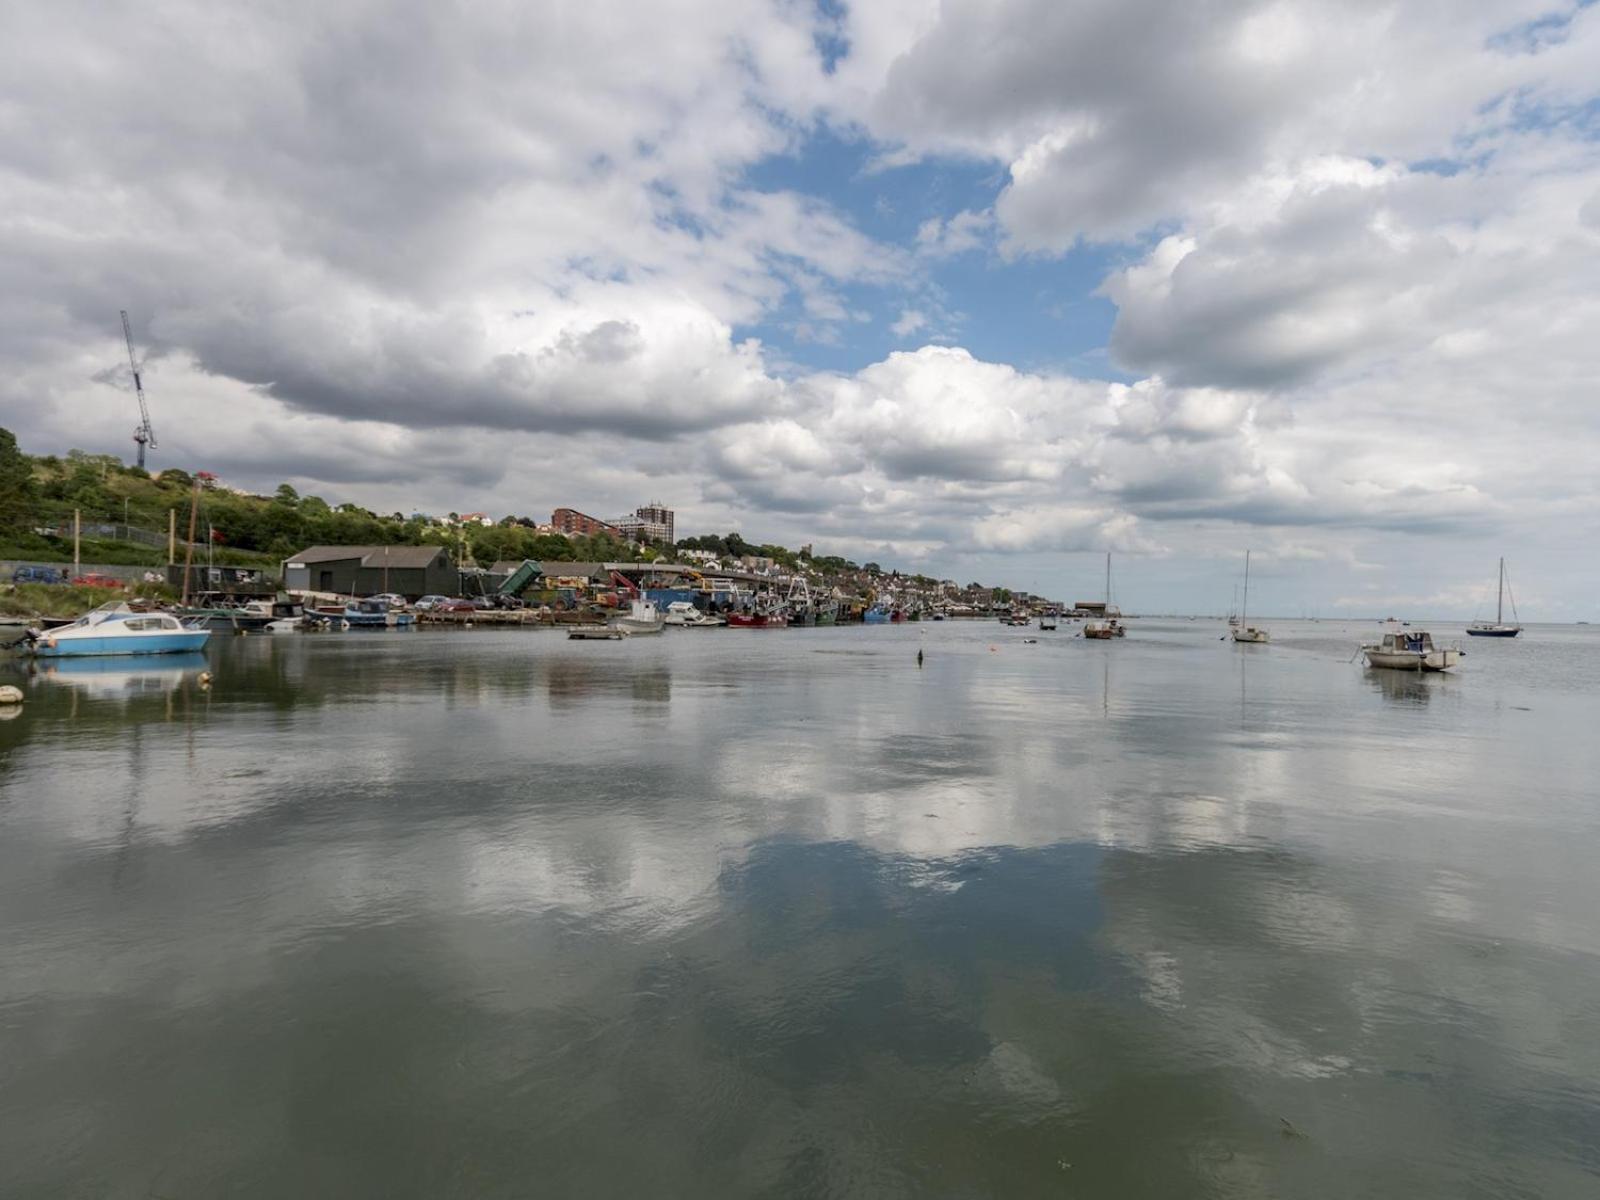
x=77 y=529
x=172 y=537
x=188 y=553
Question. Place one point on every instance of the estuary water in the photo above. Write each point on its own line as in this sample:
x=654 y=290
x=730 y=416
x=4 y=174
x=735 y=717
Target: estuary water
x=783 y=913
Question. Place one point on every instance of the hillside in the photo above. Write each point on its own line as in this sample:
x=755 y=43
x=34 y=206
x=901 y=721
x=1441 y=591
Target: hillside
x=124 y=513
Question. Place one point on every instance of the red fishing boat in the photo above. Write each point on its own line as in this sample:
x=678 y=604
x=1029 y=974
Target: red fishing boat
x=738 y=620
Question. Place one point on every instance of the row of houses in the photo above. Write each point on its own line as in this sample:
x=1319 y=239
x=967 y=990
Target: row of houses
x=414 y=571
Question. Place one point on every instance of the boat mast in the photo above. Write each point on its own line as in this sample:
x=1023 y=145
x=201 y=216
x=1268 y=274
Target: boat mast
x=1108 y=579
x=1500 y=596
x=1244 y=609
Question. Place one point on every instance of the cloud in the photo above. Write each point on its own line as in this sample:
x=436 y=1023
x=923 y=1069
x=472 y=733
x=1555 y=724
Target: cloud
x=938 y=237
x=1115 y=117
x=1342 y=266
x=909 y=322
x=522 y=257
x=428 y=218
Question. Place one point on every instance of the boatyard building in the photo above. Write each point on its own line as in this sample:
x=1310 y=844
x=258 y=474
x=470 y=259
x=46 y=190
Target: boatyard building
x=412 y=571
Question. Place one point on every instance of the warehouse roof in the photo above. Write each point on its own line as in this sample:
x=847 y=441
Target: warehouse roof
x=370 y=556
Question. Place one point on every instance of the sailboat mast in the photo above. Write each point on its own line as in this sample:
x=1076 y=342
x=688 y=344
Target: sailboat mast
x=1500 y=596
x=1245 y=608
x=1108 y=579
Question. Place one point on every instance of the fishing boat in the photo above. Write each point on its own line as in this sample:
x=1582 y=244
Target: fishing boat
x=767 y=613
x=1047 y=620
x=1410 y=650
x=1244 y=631
x=800 y=605
x=642 y=617
x=117 y=629
x=1499 y=629
x=876 y=615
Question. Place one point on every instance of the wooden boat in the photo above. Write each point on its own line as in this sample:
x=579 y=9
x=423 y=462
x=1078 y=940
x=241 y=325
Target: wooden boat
x=1499 y=629
x=596 y=633
x=1410 y=650
x=1244 y=631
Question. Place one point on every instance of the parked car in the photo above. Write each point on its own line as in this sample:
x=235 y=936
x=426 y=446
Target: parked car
x=38 y=575
x=96 y=581
x=483 y=603
x=428 y=603
x=459 y=606
x=392 y=599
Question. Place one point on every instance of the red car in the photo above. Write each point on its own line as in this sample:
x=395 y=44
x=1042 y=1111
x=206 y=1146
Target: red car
x=97 y=581
x=460 y=606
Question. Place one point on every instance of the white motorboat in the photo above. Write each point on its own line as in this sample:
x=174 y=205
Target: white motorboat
x=642 y=617
x=117 y=629
x=1410 y=650
x=1243 y=631
x=684 y=614
x=1047 y=620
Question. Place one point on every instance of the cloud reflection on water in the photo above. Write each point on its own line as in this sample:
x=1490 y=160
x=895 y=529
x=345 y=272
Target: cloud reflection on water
x=797 y=926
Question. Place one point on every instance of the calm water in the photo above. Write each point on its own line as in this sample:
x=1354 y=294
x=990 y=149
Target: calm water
x=730 y=913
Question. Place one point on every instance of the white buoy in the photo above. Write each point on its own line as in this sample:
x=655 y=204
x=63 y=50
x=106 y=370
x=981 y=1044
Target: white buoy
x=10 y=695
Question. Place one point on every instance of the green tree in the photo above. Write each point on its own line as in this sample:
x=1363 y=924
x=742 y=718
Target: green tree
x=19 y=494
x=286 y=495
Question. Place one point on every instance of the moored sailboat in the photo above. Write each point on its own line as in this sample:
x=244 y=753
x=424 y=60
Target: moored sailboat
x=1499 y=629
x=1244 y=631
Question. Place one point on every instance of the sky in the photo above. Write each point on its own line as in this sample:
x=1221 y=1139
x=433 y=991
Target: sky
x=982 y=289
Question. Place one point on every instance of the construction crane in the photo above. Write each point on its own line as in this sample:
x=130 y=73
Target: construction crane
x=144 y=435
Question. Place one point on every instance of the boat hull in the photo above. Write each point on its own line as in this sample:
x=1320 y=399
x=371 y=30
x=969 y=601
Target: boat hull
x=596 y=633
x=1252 y=636
x=1500 y=633
x=756 y=621
x=1412 y=660
x=186 y=642
x=639 y=628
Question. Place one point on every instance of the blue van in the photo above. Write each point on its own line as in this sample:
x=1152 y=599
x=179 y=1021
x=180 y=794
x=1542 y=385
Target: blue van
x=38 y=575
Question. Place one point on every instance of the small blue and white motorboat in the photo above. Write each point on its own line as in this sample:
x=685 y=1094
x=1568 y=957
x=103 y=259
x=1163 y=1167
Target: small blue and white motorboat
x=376 y=613
x=117 y=629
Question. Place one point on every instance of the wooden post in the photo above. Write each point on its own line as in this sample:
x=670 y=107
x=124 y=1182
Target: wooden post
x=188 y=553
x=172 y=537
x=77 y=528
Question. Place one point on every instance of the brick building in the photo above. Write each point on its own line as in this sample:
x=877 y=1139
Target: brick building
x=576 y=524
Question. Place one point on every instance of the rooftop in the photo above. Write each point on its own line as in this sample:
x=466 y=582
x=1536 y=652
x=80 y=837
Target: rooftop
x=370 y=556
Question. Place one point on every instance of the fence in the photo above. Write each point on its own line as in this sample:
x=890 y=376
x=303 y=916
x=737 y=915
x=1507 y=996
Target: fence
x=123 y=572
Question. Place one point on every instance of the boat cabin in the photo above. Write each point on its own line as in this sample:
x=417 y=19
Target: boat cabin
x=1407 y=643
